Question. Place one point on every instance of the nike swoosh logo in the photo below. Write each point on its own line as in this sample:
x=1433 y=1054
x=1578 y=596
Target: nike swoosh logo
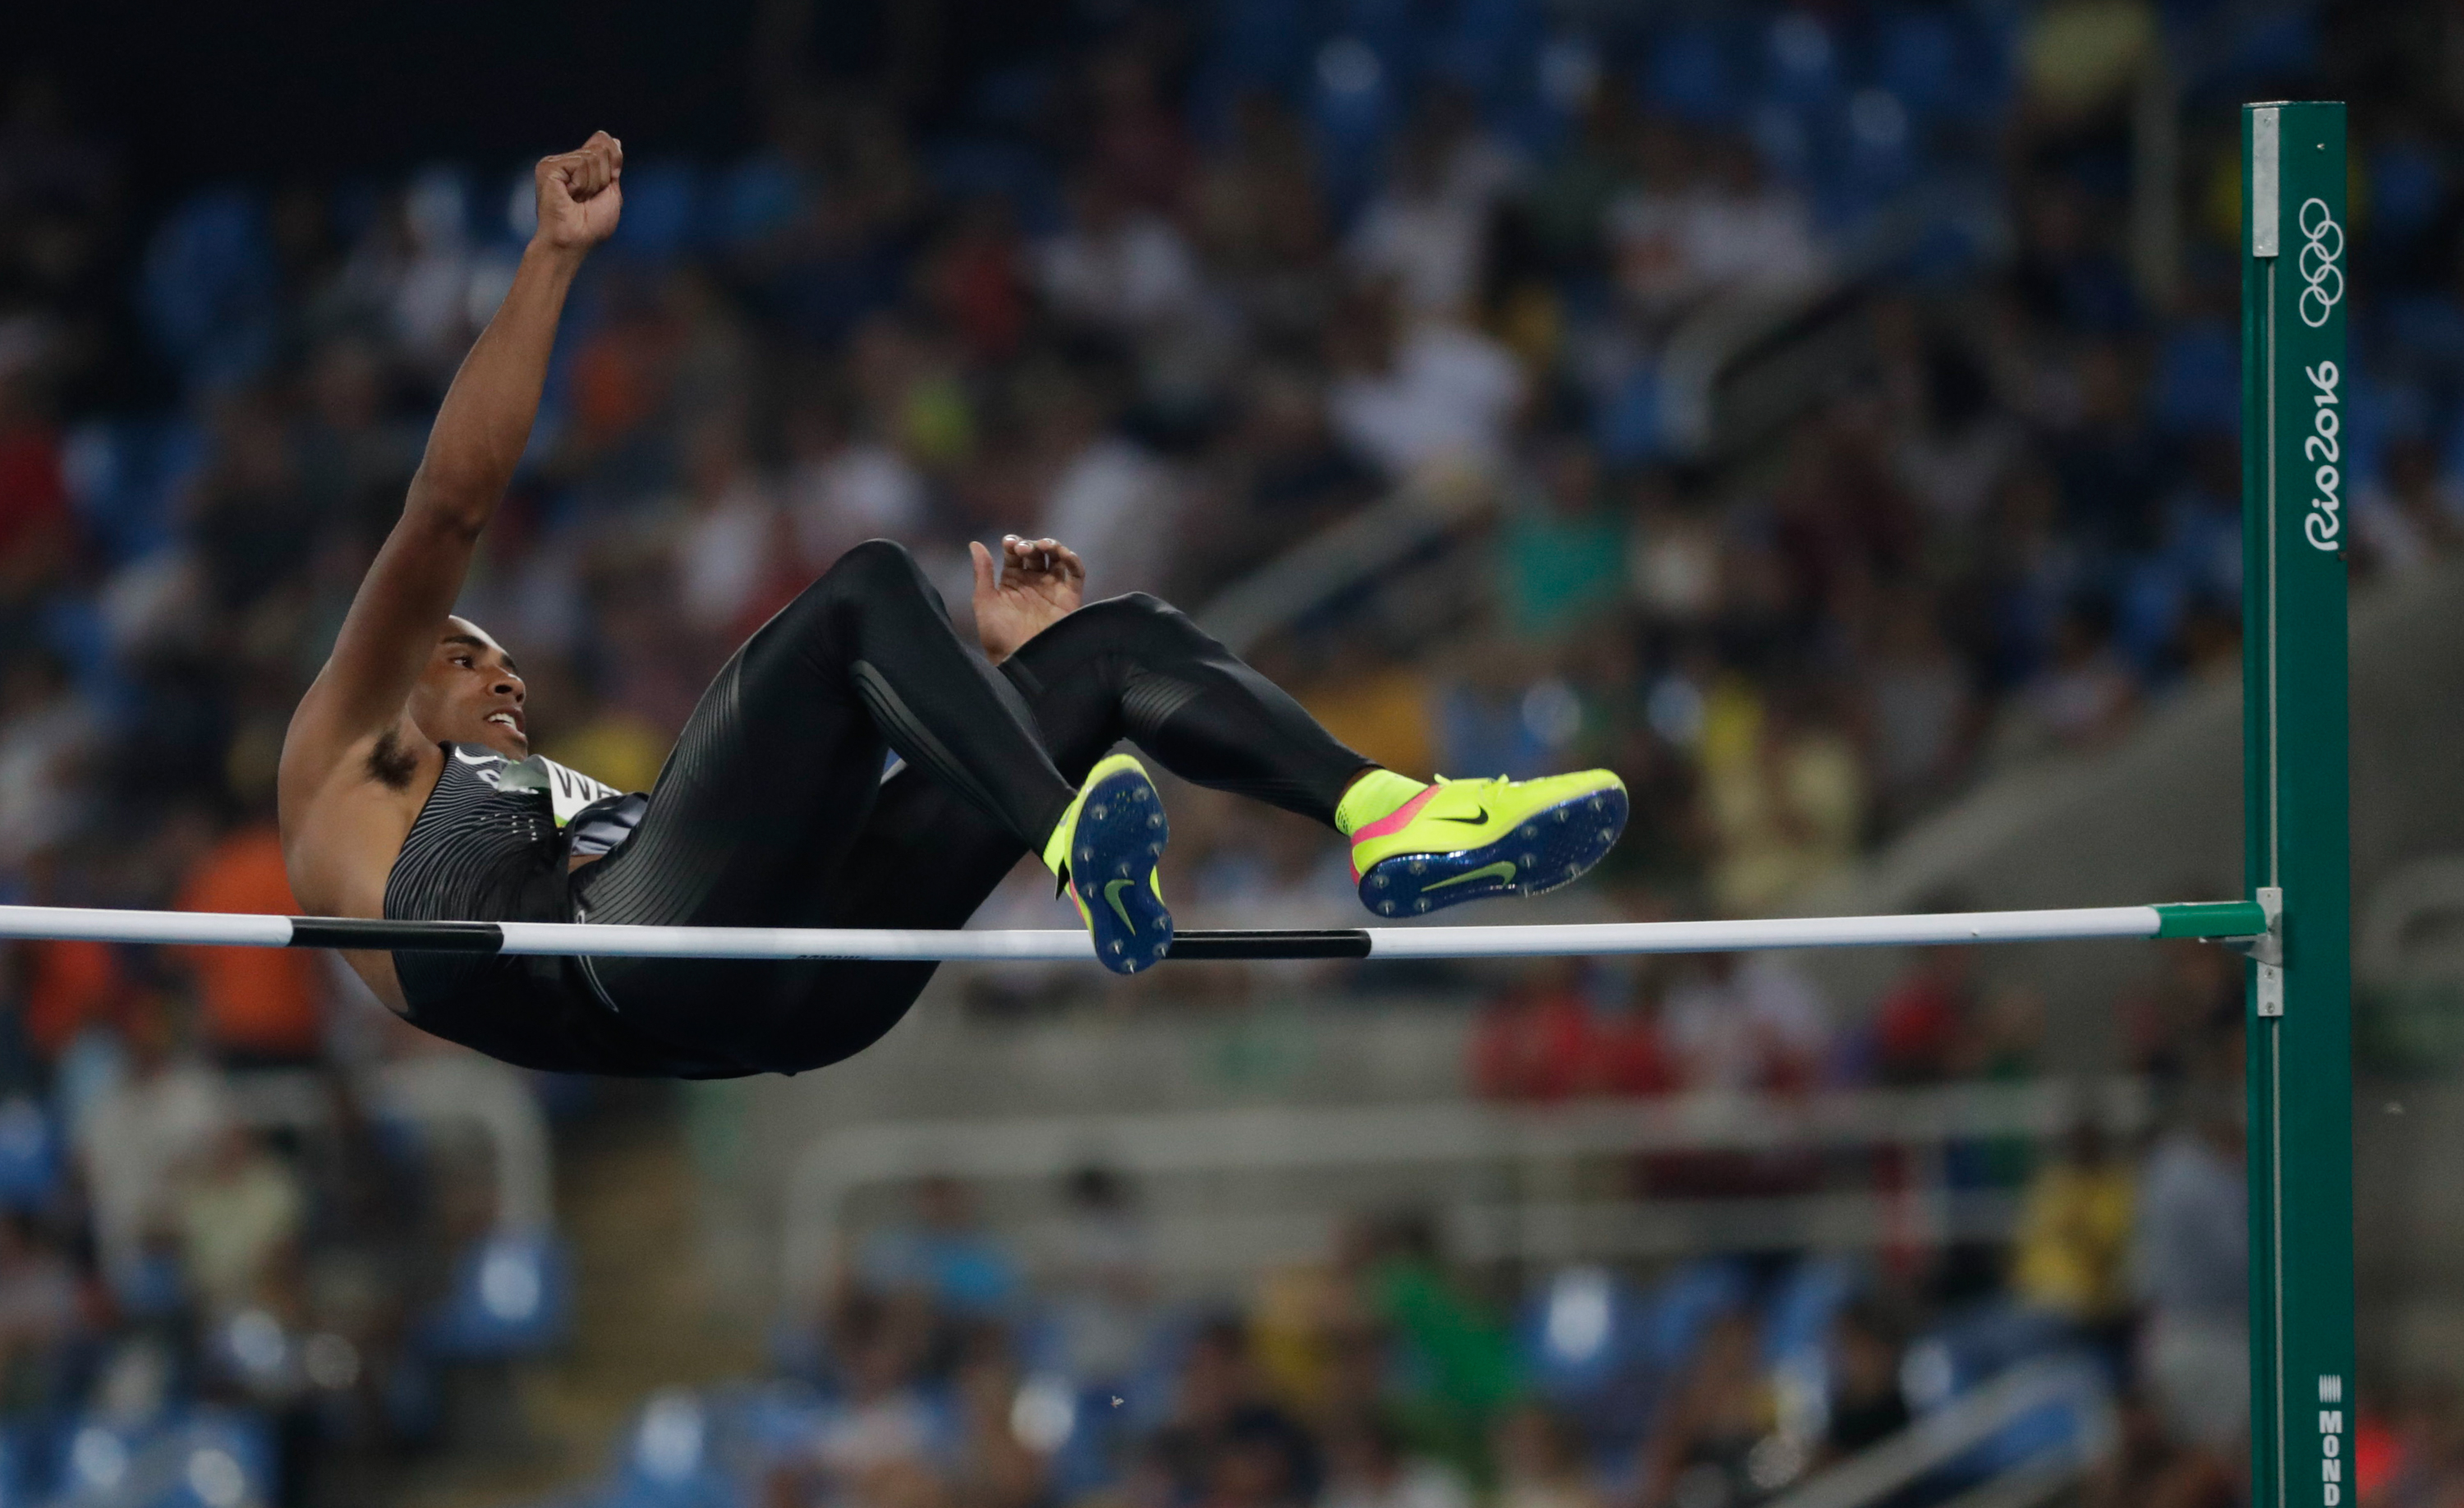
x=1501 y=871
x=1473 y=820
x=1113 y=889
x=486 y=759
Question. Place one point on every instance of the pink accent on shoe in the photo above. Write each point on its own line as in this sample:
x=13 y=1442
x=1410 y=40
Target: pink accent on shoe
x=1394 y=822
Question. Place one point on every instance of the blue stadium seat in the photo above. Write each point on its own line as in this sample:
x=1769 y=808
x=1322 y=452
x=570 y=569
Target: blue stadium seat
x=1489 y=48
x=1917 y=56
x=663 y=211
x=2198 y=379
x=207 y=290
x=2149 y=605
x=1798 y=1315
x=510 y=1296
x=977 y=167
x=1686 y=1303
x=29 y=1155
x=73 y=628
x=2274 y=44
x=1394 y=28
x=2407 y=186
x=2055 y=1425
x=1263 y=43
x=1627 y=424
x=670 y=1460
x=2425 y=328
x=1800 y=59
x=122 y=476
x=20 y=1451
x=205 y=1458
x=1689 y=77
x=1580 y=1332
x=1979 y=1344
x=755 y=199
x=2375 y=412
x=1352 y=106
x=1100 y=1434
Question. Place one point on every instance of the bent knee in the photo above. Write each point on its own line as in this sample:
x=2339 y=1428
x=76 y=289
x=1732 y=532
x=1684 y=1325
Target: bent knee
x=873 y=569
x=870 y=572
x=1134 y=608
x=875 y=559
x=1131 y=622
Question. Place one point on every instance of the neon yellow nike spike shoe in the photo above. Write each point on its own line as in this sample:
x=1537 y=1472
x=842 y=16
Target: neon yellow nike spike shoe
x=1111 y=835
x=1469 y=840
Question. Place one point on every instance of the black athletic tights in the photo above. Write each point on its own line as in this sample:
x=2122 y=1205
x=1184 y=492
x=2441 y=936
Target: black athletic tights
x=771 y=810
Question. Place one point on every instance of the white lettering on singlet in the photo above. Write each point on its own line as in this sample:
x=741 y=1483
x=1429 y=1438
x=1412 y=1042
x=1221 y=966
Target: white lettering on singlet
x=568 y=790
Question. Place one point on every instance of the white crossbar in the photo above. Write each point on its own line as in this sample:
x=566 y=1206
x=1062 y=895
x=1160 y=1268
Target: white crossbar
x=596 y=940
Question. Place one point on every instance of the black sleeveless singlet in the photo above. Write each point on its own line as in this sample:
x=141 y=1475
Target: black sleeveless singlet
x=492 y=845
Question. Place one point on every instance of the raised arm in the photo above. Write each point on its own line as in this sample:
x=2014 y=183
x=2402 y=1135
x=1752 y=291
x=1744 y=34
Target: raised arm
x=478 y=438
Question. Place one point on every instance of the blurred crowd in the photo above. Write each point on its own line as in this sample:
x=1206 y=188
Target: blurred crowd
x=1187 y=287
x=953 y=1364
x=948 y=1370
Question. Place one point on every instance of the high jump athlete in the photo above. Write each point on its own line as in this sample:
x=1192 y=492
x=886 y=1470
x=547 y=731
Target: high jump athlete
x=409 y=789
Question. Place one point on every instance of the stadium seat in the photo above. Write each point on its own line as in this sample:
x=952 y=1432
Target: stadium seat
x=1800 y=59
x=29 y=1155
x=1489 y=49
x=1918 y=58
x=1263 y=43
x=2198 y=379
x=669 y=1459
x=1798 y=1314
x=1583 y=1346
x=2406 y=184
x=1682 y=1309
x=116 y=474
x=1353 y=103
x=207 y=290
x=980 y=168
x=755 y=199
x=1974 y=1347
x=1689 y=77
x=204 y=1458
x=510 y=1296
x=662 y=213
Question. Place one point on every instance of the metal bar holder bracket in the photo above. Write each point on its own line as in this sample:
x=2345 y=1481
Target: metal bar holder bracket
x=2267 y=951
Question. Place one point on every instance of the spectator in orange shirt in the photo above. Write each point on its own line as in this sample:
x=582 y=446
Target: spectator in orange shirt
x=64 y=986
x=260 y=1006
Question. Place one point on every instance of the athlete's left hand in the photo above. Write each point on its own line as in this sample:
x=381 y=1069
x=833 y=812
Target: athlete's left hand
x=1037 y=583
x=580 y=194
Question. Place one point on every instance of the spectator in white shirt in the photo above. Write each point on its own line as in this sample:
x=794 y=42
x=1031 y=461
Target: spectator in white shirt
x=1427 y=229
x=724 y=554
x=1436 y=395
x=1115 y=502
x=1116 y=267
x=1755 y=1025
x=2193 y=1270
x=842 y=490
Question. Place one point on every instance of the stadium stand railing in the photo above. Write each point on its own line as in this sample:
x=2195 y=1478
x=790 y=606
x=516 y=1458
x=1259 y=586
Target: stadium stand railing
x=1271 y=1147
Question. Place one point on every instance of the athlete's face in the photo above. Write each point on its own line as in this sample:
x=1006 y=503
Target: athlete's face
x=471 y=693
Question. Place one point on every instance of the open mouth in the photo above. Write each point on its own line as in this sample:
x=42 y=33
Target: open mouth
x=505 y=719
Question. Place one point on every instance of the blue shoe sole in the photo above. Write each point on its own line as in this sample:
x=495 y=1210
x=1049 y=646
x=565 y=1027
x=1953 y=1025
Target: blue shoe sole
x=1554 y=846
x=1121 y=834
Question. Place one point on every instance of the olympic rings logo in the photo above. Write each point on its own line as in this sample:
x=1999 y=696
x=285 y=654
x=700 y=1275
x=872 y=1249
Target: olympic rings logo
x=2322 y=247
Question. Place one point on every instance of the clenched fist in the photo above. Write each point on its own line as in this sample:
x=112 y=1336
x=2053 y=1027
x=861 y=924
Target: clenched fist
x=581 y=193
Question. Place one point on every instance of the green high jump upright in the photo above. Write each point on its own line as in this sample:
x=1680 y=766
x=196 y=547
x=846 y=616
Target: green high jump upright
x=2295 y=526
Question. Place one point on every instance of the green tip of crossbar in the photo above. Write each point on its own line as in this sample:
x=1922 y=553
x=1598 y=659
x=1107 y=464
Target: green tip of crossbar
x=2210 y=919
